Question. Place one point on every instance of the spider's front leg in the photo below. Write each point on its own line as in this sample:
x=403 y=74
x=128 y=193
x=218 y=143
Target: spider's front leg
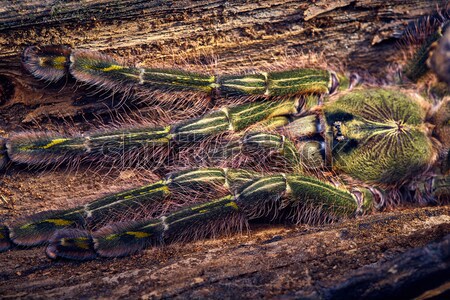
x=145 y=144
x=52 y=63
x=299 y=198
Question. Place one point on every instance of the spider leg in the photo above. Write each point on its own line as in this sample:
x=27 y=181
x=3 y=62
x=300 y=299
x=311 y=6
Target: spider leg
x=298 y=197
x=43 y=148
x=94 y=68
x=37 y=229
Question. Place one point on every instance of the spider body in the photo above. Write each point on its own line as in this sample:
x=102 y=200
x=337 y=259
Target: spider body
x=380 y=142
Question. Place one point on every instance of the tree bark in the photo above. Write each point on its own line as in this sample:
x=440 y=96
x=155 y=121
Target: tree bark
x=294 y=262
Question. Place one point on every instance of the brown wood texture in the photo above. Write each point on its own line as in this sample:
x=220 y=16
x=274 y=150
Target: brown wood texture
x=236 y=31
x=273 y=261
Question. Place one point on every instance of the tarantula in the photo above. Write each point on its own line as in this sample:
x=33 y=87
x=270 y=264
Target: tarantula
x=334 y=149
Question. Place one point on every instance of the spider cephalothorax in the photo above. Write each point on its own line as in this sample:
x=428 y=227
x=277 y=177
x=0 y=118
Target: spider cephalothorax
x=386 y=138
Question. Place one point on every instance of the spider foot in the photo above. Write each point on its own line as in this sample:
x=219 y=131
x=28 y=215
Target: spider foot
x=71 y=244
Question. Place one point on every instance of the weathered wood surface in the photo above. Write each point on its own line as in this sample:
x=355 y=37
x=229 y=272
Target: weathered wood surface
x=292 y=261
x=235 y=30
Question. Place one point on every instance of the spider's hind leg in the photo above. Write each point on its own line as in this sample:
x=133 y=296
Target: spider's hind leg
x=148 y=200
x=306 y=198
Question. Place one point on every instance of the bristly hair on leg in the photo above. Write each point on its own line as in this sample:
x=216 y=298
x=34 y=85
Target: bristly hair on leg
x=122 y=239
x=417 y=42
x=37 y=229
x=208 y=219
x=49 y=63
x=106 y=73
x=71 y=244
x=98 y=69
x=44 y=148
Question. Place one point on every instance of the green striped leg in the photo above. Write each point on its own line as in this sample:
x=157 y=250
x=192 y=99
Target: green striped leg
x=99 y=69
x=102 y=70
x=296 y=144
x=297 y=197
x=40 y=148
x=293 y=82
x=180 y=186
x=258 y=146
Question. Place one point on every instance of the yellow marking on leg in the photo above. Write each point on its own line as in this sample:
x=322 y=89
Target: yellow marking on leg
x=260 y=182
x=123 y=134
x=54 y=142
x=111 y=237
x=60 y=60
x=51 y=144
x=283 y=108
x=126 y=197
x=79 y=242
x=57 y=62
x=187 y=77
x=268 y=187
x=111 y=68
x=82 y=243
x=205 y=120
x=298 y=79
x=233 y=205
x=286 y=108
x=207 y=204
x=138 y=234
x=59 y=222
x=164 y=189
x=201 y=179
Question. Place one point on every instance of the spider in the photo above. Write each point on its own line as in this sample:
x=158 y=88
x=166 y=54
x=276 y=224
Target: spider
x=311 y=146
